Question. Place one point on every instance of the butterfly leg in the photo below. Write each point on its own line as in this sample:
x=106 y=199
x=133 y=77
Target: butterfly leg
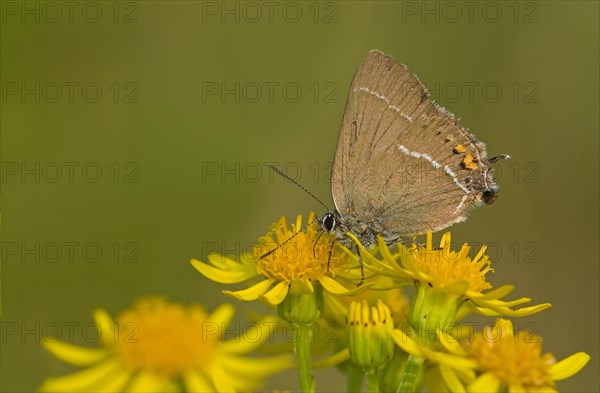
x=330 y=253
x=362 y=267
x=404 y=240
x=360 y=261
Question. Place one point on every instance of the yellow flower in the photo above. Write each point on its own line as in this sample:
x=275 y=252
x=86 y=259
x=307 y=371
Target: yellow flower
x=290 y=261
x=369 y=341
x=448 y=272
x=395 y=299
x=495 y=360
x=366 y=344
x=445 y=281
x=159 y=346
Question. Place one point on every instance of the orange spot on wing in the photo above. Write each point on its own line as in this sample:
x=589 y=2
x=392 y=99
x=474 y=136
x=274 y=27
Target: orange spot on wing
x=469 y=162
x=459 y=149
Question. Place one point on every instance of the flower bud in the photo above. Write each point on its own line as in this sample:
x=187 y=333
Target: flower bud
x=369 y=340
x=302 y=310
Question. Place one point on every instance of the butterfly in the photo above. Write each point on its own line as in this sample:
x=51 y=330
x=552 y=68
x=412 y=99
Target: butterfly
x=403 y=165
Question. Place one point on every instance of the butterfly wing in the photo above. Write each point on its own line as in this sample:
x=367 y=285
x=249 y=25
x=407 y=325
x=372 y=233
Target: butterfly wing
x=403 y=165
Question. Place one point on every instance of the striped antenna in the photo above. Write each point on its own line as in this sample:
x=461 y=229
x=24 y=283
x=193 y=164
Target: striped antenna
x=298 y=184
x=286 y=240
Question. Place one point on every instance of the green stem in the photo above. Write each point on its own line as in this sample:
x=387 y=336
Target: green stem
x=303 y=337
x=373 y=382
x=410 y=374
x=354 y=379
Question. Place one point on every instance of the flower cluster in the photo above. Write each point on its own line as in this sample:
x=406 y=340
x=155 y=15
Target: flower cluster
x=423 y=341
x=377 y=333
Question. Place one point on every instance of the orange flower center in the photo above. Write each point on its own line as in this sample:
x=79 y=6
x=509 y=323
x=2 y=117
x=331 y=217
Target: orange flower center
x=516 y=360
x=295 y=254
x=164 y=337
x=444 y=267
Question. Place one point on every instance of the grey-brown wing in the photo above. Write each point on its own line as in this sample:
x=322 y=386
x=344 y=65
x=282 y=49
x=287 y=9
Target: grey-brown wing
x=403 y=165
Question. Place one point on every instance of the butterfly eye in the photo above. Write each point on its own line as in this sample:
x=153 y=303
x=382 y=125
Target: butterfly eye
x=328 y=222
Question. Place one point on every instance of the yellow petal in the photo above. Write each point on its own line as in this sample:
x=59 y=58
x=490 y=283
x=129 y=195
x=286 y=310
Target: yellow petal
x=115 y=384
x=464 y=374
x=222 y=276
x=451 y=380
x=302 y=287
x=497 y=293
x=265 y=330
x=494 y=308
x=277 y=293
x=240 y=383
x=526 y=311
x=222 y=315
x=256 y=367
x=406 y=343
x=512 y=303
x=506 y=327
x=147 y=382
x=348 y=253
x=569 y=366
x=335 y=308
x=84 y=380
x=473 y=309
x=365 y=254
x=458 y=332
x=384 y=250
x=252 y=293
x=462 y=365
x=298 y=226
x=220 y=379
x=435 y=382
x=195 y=382
x=450 y=343
x=74 y=354
x=333 y=360
x=105 y=324
x=373 y=264
x=332 y=286
x=221 y=262
x=486 y=383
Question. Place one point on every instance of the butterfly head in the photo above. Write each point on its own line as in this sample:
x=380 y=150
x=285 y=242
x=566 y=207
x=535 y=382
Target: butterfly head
x=329 y=221
x=332 y=222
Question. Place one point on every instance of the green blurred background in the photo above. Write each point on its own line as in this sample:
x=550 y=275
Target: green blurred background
x=183 y=166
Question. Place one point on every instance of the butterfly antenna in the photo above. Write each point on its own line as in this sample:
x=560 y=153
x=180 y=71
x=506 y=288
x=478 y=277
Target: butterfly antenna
x=263 y=256
x=498 y=158
x=298 y=184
